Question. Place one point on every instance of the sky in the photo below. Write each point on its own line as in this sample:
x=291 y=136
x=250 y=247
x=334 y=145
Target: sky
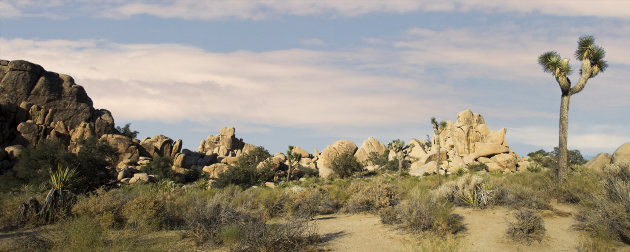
x=309 y=72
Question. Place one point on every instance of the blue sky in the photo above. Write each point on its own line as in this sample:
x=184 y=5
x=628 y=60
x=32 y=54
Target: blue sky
x=310 y=72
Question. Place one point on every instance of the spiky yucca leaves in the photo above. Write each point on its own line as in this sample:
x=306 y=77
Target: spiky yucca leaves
x=59 y=199
x=61 y=177
x=588 y=51
x=552 y=63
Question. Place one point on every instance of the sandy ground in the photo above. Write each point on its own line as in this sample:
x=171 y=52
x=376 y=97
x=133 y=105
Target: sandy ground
x=485 y=231
x=360 y=233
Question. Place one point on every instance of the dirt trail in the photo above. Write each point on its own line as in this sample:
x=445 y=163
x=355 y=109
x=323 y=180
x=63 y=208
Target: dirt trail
x=361 y=233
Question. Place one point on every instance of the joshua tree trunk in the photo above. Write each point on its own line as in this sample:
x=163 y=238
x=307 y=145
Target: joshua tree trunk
x=400 y=162
x=289 y=171
x=563 y=166
x=437 y=162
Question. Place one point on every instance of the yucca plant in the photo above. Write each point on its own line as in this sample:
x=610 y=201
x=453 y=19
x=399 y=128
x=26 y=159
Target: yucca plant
x=61 y=177
x=59 y=198
x=593 y=63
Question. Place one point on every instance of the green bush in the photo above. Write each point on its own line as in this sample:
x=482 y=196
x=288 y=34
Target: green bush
x=126 y=131
x=528 y=227
x=244 y=172
x=468 y=190
x=93 y=164
x=528 y=190
x=370 y=196
x=550 y=159
x=476 y=167
x=105 y=207
x=345 y=164
x=422 y=212
x=160 y=166
x=146 y=213
x=82 y=234
x=34 y=163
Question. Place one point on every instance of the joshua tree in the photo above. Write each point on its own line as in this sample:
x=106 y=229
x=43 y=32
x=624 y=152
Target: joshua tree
x=292 y=158
x=438 y=128
x=592 y=58
x=398 y=146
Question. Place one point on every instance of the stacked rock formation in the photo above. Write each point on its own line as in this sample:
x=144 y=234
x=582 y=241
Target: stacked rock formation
x=466 y=141
x=36 y=105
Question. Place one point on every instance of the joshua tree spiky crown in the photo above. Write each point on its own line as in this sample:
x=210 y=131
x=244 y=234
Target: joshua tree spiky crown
x=591 y=56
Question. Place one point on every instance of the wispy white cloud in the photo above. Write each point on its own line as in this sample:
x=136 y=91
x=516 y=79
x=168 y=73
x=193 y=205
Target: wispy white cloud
x=264 y=9
x=174 y=82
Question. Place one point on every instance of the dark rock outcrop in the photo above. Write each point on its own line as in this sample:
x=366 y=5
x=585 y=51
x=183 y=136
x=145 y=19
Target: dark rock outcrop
x=36 y=104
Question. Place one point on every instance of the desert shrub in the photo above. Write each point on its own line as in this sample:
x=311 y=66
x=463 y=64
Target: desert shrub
x=105 y=207
x=206 y=218
x=579 y=186
x=370 y=196
x=389 y=215
x=29 y=242
x=145 y=213
x=216 y=221
x=529 y=190
x=439 y=243
x=295 y=234
x=160 y=166
x=35 y=161
x=423 y=212
x=550 y=159
x=345 y=164
x=476 y=167
x=303 y=171
x=528 y=227
x=81 y=234
x=93 y=165
x=376 y=159
x=244 y=172
x=193 y=174
x=468 y=190
x=534 y=167
x=304 y=204
x=9 y=205
x=607 y=213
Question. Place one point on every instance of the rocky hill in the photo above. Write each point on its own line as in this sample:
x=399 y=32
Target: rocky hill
x=36 y=105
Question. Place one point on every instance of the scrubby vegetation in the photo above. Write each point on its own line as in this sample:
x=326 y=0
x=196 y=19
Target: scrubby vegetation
x=245 y=172
x=345 y=164
x=235 y=212
x=528 y=227
x=92 y=165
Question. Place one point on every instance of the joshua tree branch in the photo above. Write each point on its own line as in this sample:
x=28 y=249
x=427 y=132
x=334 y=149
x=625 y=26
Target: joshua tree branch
x=587 y=71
